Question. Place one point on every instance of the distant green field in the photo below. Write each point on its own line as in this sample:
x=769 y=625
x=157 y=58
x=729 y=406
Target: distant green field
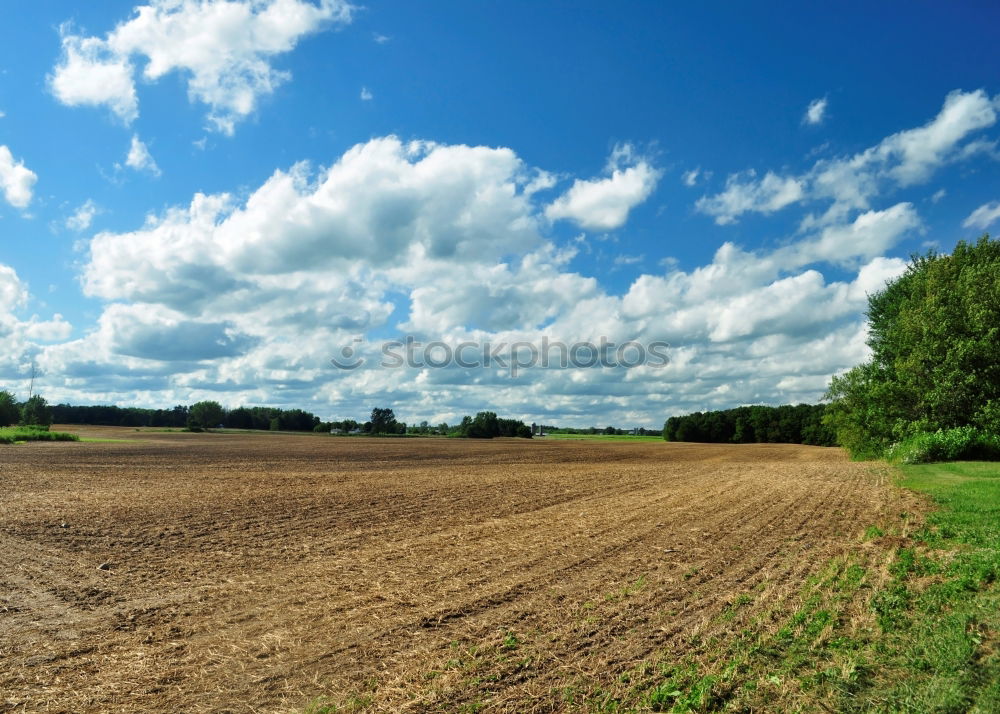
x=603 y=437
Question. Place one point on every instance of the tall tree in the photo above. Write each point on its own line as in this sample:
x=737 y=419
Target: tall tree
x=36 y=412
x=206 y=415
x=9 y=411
x=383 y=421
x=935 y=339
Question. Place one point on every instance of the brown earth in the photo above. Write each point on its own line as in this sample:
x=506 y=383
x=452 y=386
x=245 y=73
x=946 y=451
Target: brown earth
x=248 y=573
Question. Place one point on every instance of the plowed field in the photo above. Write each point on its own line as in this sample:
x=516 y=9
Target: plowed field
x=238 y=572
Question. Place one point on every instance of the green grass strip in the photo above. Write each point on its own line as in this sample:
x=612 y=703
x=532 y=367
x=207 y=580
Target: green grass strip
x=21 y=434
x=941 y=612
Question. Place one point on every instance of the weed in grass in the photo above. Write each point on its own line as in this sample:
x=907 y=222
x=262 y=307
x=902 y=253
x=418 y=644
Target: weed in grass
x=569 y=694
x=734 y=607
x=321 y=706
x=627 y=590
x=684 y=689
x=352 y=705
x=873 y=532
x=510 y=641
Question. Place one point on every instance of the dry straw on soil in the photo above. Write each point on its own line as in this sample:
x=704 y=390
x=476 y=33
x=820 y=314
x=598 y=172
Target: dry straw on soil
x=257 y=572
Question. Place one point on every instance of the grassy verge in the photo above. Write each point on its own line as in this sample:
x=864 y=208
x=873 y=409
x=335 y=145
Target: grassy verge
x=16 y=435
x=941 y=611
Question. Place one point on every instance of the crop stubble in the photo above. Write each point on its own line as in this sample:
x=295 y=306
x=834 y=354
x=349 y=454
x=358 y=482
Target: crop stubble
x=256 y=572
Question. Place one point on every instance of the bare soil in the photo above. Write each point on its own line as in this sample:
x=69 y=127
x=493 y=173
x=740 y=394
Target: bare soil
x=253 y=572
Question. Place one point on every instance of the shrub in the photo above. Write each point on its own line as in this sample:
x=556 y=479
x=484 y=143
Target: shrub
x=36 y=412
x=38 y=435
x=964 y=442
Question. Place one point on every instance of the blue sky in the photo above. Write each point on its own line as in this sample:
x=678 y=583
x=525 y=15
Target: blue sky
x=208 y=199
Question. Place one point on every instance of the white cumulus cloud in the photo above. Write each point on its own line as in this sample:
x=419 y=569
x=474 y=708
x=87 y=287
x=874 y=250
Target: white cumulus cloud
x=223 y=48
x=914 y=154
x=984 y=216
x=92 y=73
x=246 y=297
x=83 y=216
x=744 y=192
x=12 y=291
x=603 y=204
x=16 y=180
x=691 y=178
x=384 y=202
x=850 y=183
x=139 y=158
x=449 y=243
x=870 y=234
x=22 y=338
x=815 y=112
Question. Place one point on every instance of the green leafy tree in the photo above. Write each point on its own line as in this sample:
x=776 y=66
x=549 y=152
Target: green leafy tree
x=9 y=412
x=206 y=415
x=383 y=421
x=349 y=425
x=36 y=412
x=935 y=339
x=485 y=425
x=513 y=427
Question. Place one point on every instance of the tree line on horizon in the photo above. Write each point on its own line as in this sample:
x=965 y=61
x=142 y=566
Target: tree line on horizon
x=788 y=424
x=35 y=412
x=207 y=415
